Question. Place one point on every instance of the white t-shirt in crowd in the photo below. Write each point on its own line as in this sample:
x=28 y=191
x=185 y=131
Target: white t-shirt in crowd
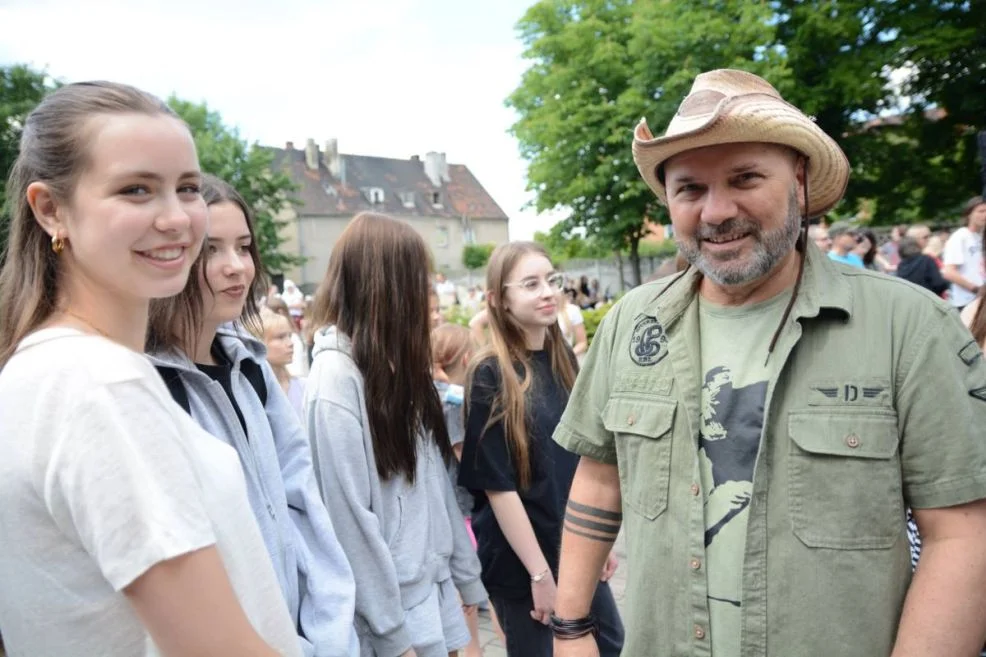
x=446 y=293
x=964 y=249
x=574 y=316
x=102 y=477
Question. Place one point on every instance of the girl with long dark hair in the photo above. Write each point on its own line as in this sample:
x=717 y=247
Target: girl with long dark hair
x=382 y=448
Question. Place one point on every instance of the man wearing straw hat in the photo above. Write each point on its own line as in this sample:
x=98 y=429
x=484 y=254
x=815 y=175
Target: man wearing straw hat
x=758 y=423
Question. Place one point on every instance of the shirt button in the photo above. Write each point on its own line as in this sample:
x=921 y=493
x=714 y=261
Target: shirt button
x=631 y=420
x=695 y=489
x=695 y=564
x=852 y=440
x=699 y=632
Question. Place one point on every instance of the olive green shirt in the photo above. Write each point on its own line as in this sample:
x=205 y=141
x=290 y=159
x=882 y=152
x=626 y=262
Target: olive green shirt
x=876 y=401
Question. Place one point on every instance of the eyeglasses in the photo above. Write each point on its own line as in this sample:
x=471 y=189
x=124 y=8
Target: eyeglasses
x=533 y=285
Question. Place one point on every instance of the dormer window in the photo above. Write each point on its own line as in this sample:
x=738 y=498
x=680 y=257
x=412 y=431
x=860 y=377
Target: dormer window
x=375 y=195
x=407 y=199
x=436 y=199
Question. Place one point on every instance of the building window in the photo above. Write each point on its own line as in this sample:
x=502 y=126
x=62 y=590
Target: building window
x=468 y=233
x=374 y=195
x=436 y=199
x=442 y=237
x=407 y=199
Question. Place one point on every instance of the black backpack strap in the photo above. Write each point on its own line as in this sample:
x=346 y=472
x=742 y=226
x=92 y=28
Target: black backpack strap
x=255 y=375
x=172 y=379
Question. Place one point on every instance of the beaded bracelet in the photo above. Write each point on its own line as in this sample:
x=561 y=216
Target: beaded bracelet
x=573 y=629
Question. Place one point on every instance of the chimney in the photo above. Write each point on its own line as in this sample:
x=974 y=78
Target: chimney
x=415 y=158
x=289 y=146
x=332 y=159
x=436 y=168
x=311 y=155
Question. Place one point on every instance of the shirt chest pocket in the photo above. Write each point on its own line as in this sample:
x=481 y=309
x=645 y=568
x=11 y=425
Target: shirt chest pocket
x=642 y=430
x=845 y=480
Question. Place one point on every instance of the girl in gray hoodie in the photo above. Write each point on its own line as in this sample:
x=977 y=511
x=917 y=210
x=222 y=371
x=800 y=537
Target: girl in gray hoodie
x=381 y=446
x=219 y=374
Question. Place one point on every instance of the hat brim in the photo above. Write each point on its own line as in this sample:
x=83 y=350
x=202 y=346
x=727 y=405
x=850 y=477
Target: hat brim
x=752 y=118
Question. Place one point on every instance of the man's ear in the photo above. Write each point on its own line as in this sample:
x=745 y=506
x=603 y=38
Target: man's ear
x=45 y=206
x=801 y=175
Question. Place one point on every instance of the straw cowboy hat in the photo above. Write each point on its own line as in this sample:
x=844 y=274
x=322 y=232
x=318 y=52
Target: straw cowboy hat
x=727 y=106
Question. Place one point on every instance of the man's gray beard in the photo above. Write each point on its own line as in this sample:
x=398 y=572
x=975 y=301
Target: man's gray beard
x=768 y=250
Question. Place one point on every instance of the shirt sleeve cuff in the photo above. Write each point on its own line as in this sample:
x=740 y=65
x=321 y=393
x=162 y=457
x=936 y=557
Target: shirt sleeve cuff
x=392 y=644
x=575 y=442
x=954 y=492
x=472 y=592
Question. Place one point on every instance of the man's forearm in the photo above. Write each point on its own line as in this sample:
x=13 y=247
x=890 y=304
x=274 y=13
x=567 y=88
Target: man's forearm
x=592 y=522
x=944 y=612
x=951 y=274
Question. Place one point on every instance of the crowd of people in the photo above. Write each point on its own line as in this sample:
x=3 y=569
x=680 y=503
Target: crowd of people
x=196 y=463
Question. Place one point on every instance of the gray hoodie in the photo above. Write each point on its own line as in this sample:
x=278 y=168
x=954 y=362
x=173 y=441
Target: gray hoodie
x=401 y=539
x=310 y=564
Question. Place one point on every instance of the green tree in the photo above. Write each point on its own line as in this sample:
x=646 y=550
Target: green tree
x=475 y=256
x=222 y=152
x=597 y=66
x=21 y=89
x=911 y=160
x=563 y=245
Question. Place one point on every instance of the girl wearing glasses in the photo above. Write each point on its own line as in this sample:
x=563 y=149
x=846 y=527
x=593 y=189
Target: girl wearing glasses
x=516 y=391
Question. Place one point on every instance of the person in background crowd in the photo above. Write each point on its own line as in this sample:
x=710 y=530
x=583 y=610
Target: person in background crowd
x=381 y=446
x=572 y=326
x=516 y=391
x=934 y=249
x=435 y=316
x=820 y=236
x=974 y=314
x=452 y=348
x=963 y=255
x=218 y=373
x=126 y=529
x=298 y=367
x=447 y=296
x=294 y=298
x=276 y=332
x=843 y=243
x=758 y=425
x=918 y=268
x=867 y=251
x=890 y=249
x=473 y=301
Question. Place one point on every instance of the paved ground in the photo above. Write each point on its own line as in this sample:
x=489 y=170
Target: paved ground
x=491 y=644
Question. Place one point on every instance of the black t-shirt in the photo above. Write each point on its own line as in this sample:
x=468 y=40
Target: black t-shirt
x=222 y=373
x=487 y=465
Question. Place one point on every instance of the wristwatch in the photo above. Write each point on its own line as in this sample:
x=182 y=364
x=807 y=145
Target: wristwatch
x=535 y=579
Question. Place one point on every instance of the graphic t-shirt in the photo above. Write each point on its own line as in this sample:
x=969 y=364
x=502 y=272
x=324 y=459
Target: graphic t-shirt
x=734 y=343
x=964 y=249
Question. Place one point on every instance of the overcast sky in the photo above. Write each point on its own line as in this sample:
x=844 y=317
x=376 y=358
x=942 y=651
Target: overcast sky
x=390 y=78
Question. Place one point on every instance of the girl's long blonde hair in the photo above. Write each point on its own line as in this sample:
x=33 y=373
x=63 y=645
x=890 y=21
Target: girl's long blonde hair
x=509 y=348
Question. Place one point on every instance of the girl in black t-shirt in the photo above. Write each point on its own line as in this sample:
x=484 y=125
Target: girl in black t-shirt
x=516 y=392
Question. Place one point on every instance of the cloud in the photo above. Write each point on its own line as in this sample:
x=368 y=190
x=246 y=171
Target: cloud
x=386 y=77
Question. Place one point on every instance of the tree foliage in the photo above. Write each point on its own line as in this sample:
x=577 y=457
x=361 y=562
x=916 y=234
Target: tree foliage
x=21 y=89
x=597 y=67
x=869 y=72
x=563 y=245
x=475 y=256
x=223 y=153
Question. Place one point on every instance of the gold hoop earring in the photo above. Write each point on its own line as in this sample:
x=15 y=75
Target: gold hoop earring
x=57 y=244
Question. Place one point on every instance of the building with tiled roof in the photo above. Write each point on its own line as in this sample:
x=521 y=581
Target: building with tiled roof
x=443 y=201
